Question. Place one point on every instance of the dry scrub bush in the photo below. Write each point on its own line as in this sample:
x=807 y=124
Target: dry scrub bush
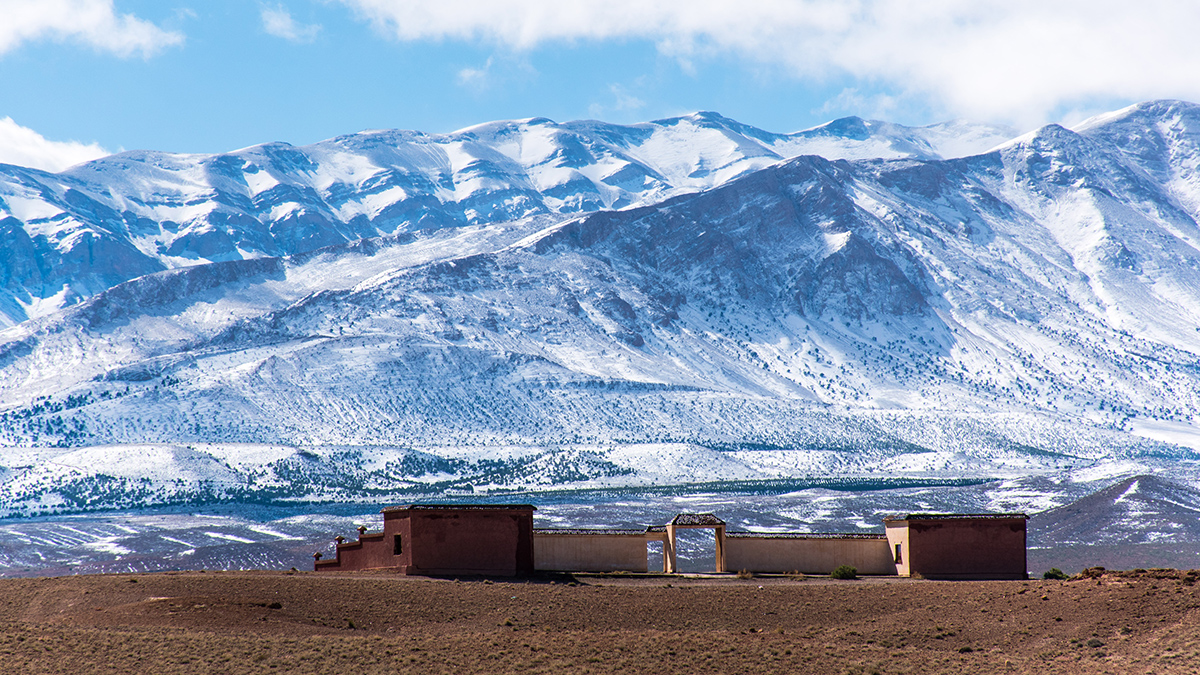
x=845 y=572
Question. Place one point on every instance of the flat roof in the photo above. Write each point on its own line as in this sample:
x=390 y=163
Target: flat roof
x=804 y=535
x=958 y=516
x=460 y=507
x=579 y=530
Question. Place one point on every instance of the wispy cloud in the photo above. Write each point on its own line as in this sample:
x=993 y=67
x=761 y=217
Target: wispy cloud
x=25 y=147
x=980 y=58
x=278 y=21
x=92 y=22
x=476 y=78
x=622 y=101
x=852 y=100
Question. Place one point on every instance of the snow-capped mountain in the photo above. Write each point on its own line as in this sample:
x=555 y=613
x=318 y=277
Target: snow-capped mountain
x=67 y=236
x=1017 y=313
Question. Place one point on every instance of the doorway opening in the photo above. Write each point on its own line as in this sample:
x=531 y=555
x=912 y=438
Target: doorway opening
x=654 y=556
x=696 y=551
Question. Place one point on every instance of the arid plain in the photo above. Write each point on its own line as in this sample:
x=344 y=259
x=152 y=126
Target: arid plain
x=299 y=622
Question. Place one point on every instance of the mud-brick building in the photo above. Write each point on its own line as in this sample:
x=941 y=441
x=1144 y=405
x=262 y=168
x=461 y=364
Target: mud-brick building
x=958 y=546
x=500 y=540
x=436 y=539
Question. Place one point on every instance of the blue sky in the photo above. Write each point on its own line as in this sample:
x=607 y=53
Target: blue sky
x=189 y=76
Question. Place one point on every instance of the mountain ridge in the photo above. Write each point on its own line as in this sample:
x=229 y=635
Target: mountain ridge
x=69 y=235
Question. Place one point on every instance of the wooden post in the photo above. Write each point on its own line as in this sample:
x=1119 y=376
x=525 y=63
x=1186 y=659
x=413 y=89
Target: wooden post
x=720 y=537
x=669 y=551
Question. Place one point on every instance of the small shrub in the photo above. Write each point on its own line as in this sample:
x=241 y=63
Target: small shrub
x=1055 y=573
x=845 y=572
x=745 y=574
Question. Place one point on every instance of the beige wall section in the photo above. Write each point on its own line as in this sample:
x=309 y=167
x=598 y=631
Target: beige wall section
x=810 y=556
x=897 y=535
x=589 y=552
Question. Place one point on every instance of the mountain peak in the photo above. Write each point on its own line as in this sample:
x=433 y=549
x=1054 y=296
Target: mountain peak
x=1049 y=135
x=852 y=127
x=710 y=115
x=1157 y=110
x=701 y=118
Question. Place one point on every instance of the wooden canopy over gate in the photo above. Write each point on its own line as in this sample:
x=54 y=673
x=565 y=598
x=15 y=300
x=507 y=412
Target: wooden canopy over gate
x=693 y=521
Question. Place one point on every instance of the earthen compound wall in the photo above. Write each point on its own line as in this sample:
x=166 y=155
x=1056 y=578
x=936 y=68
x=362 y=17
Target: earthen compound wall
x=599 y=552
x=806 y=555
x=969 y=550
x=948 y=547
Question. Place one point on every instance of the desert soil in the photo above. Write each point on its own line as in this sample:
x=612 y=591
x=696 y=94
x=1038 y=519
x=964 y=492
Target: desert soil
x=278 y=622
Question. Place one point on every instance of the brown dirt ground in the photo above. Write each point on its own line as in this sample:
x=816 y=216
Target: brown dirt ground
x=264 y=622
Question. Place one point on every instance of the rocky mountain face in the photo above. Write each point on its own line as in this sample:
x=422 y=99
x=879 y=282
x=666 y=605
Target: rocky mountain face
x=1144 y=521
x=1021 y=312
x=68 y=236
x=1141 y=509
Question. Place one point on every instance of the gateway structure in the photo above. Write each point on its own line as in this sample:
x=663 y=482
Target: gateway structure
x=500 y=540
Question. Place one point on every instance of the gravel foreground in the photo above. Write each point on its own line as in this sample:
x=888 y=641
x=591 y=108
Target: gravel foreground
x=299 y=622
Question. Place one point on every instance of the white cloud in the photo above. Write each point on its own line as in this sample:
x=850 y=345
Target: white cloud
x=476 y=77
x=278 y=21
x=92 y=22
x=25 y=147
x=1010 y=59
x=622 y=102
x=867 y=104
